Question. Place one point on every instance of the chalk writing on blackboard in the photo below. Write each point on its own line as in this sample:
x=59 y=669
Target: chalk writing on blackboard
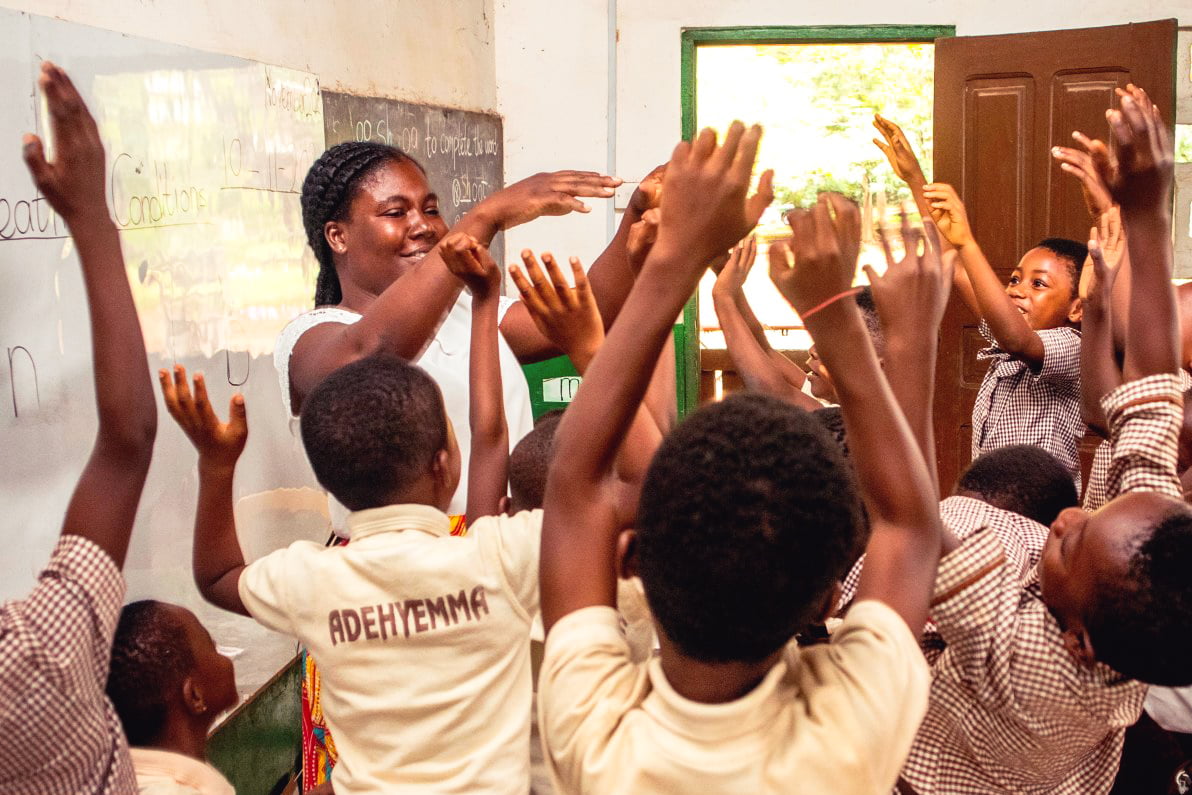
x=158 y=199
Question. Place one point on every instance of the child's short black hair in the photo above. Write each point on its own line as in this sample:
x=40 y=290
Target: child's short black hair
x=832 y=418
x=1022 y=478
x=1139 y=626
x=747 y=518
x=873 y=323
x=1072 y=251
x=372 y=428
x=151 y=658
x=529 y=461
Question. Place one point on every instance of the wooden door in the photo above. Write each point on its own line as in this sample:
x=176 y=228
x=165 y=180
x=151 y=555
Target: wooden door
x=1001 y=103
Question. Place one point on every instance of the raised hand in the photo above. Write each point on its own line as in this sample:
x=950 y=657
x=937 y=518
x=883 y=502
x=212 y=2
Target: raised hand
x=912 y=295
x=1145 y=160
x=897 y=150
x=947 y=210
x=469 y=261
x=74 y=182
x=822 y=267
x=1105 y=270
x=219 y=443
x=1087 y=166
x=706 y=208
x=648 y=194
x=548 y=193
x=565 y=315
x=642 y=236
x=736 y=270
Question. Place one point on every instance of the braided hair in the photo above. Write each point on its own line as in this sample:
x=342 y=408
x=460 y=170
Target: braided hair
x=326 y=193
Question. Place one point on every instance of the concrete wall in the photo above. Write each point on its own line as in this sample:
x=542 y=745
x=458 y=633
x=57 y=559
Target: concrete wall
x=437 y=52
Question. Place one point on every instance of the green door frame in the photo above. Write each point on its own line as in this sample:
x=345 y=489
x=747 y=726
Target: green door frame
x=688 y=373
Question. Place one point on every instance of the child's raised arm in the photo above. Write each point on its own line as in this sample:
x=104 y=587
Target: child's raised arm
x=1099 y=371
x=569 y=317
x=705 y=210
x=488 y=462
x=1141 y=186
x=911 y=298
x=1010 y=328
x=904 y=545
x=217 y=561
x=752 y=358
x=104 y=504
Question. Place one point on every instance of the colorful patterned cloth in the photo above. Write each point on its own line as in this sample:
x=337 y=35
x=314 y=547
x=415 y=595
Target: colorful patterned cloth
x=318 y=746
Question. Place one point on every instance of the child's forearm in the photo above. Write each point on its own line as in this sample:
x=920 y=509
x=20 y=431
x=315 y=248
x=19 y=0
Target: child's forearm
x=909 y=365
x=1152 y=339
x=1099 y=373
x=753 y=362
x=217 y=559
x=893 y=476
x=611 y=275
x=489 y=454
x=1013 y=334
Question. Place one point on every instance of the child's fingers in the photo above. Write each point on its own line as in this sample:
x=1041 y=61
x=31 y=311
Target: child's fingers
x=186 y=403
x=871 y=275
x=725 y=155
x=756 y=204
x=35 y=160
x=779 y=264
x=884 y=236
x=583 y=289
x=558 y=281
x=238 y=416
x=203 y=409
x=745 y=152
x=169 y=396
x=529 y=294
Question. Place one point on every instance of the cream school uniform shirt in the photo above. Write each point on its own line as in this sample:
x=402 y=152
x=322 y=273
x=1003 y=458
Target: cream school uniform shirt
x=839 y=717
x=422 y=640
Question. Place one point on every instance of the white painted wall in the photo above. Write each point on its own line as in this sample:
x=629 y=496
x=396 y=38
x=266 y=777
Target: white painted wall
x=438 y=52
x=553 y=73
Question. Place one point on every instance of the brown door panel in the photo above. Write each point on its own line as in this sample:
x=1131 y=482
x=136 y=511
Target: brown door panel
x=1001 y=103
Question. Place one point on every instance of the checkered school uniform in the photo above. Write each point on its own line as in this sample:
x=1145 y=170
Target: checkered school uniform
x=1096 y=494
x=1023 y=538
x=61 y=733
x=1017 y=406
x=1010 y=709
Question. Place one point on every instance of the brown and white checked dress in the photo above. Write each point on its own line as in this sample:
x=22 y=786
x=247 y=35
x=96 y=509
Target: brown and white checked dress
x=1010 y=709
x=1017 y=406
x=1095 y=494
x=60 y=731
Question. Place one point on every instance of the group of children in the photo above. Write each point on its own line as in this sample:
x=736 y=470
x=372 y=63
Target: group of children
x=769 y=597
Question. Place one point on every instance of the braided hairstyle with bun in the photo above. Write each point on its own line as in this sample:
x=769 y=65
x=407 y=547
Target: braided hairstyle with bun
x=327 y=192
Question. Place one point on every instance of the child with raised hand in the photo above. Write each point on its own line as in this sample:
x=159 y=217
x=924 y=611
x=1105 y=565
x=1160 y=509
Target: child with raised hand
x=738 y=549
x=763 y=369
x=488 y=458
x=421 y=636
x=1031 y=392
x=169 y=683
x=55 y=644
x=1043 y=674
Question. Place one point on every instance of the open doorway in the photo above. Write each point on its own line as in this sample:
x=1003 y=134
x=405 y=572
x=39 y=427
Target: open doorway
x=815 y=91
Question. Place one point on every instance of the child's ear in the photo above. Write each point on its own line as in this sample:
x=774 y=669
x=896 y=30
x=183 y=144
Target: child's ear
x=192 y=697
x=1076 y=311
x=828 y=608
x=627 y=554
x=1078 y=644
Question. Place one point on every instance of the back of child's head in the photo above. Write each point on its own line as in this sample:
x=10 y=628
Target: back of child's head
x=747 y=520
x=832 y=418
x=151 y=657
x=1139 y=624
x=873 y=323
x=1021 y=478
x=372 y=428
x=529 y=461
x=1072 y=252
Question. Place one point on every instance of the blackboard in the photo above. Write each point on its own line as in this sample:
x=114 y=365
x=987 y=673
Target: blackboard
x=461 y=151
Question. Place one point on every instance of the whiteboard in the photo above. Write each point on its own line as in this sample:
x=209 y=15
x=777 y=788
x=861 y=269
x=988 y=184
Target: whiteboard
x=206 y=155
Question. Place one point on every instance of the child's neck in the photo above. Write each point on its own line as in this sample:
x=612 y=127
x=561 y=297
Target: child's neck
x=184 y=735
x=711 y=683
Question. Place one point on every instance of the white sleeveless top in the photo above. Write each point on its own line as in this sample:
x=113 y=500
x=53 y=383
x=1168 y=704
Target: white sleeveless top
x=446 y=360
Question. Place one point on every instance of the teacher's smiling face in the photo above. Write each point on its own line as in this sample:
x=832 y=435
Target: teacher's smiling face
x=392 y=222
